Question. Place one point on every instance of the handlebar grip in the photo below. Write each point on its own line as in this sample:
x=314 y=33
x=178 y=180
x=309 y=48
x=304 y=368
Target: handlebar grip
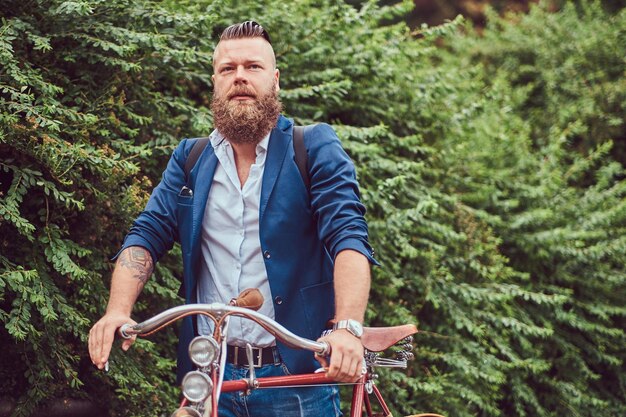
x=123 y=331
x=327 y=349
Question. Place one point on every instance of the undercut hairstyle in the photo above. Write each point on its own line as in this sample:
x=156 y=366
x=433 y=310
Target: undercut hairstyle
x=247 y=29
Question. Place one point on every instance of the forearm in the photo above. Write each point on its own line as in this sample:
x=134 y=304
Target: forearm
x=132 y=270
x=352 y=285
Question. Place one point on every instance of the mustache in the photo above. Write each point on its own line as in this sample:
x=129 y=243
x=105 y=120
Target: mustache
x=241 y=91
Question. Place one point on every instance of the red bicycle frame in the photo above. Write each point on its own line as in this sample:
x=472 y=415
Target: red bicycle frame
x=360 y=396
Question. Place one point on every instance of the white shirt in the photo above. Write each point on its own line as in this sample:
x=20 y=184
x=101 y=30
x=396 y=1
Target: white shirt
x=231 y=258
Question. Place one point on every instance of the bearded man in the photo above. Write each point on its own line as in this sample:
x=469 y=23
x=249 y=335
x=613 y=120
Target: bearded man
x=246 y=219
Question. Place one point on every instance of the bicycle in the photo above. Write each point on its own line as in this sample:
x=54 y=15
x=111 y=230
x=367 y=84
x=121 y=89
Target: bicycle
x=202 y=387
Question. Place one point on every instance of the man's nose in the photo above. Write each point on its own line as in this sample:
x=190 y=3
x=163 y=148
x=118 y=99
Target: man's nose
x=240 y=74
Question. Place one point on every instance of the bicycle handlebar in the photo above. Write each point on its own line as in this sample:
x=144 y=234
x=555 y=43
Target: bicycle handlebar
x=219 y=310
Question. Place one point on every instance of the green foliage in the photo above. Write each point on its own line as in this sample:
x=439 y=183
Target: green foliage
x=89 y=91
x=492 y=168
x=559 y=208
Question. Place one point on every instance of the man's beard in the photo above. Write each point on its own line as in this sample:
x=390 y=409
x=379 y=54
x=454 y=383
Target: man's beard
x=245 y=121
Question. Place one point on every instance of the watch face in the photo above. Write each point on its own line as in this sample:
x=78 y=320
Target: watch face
x=355 y=328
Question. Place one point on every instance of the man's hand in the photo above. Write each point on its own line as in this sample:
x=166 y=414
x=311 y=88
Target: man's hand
x=132 y=270
x=102 y=334
x=346 y=357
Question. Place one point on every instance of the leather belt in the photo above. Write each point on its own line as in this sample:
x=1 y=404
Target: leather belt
x=260 y=356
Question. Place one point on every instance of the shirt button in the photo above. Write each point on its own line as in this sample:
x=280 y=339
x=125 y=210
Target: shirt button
x=267 y=254
x=278 y=300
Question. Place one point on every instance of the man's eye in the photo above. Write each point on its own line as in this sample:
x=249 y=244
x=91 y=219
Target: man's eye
x=255 y=66
x=226 y=69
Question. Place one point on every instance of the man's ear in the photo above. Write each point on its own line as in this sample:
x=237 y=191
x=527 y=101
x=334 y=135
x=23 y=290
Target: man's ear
x=277 y=77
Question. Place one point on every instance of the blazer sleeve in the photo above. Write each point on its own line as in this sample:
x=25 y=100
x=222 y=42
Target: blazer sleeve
x=156 y=227
x=334 y=192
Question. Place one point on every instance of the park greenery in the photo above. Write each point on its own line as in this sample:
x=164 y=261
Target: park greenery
x=492 y=164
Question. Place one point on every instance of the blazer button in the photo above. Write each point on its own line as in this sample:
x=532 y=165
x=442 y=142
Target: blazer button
x=267 y=254
x=278 y=300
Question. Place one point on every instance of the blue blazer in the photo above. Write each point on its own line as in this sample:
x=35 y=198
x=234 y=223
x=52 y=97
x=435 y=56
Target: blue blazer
x=301 y=231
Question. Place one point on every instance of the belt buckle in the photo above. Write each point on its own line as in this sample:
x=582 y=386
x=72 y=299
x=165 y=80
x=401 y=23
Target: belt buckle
x=259 y=357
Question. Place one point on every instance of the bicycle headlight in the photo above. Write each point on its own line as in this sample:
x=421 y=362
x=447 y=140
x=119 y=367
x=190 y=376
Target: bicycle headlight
x=203 y=350
x=197 y=386
x=186 y=412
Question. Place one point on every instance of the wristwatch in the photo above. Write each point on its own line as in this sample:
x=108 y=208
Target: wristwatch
x=353 y=326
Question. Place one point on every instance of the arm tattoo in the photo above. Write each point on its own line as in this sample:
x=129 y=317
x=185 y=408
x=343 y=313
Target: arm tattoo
x=139 y=261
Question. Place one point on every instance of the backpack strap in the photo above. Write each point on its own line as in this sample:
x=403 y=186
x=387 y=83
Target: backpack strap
x=194 y=154
x=301 y=156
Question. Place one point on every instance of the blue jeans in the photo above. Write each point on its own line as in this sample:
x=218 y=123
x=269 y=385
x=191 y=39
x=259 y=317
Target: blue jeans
x=316 y=401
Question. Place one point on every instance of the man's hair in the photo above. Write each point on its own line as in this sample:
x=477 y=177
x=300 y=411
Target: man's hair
x=247 y=29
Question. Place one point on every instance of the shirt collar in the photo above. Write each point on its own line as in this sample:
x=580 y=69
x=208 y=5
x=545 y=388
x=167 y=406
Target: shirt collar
x=218 y=140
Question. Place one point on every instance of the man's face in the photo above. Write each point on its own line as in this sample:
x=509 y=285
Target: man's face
x=245 y=104
x=244 y=69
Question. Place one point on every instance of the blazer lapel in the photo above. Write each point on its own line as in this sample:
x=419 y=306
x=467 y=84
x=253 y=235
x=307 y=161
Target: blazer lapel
x=280 y=140
x=202 y=179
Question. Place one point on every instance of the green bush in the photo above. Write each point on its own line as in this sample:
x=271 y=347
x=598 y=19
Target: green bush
x=562 y=214
x=89 y=92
